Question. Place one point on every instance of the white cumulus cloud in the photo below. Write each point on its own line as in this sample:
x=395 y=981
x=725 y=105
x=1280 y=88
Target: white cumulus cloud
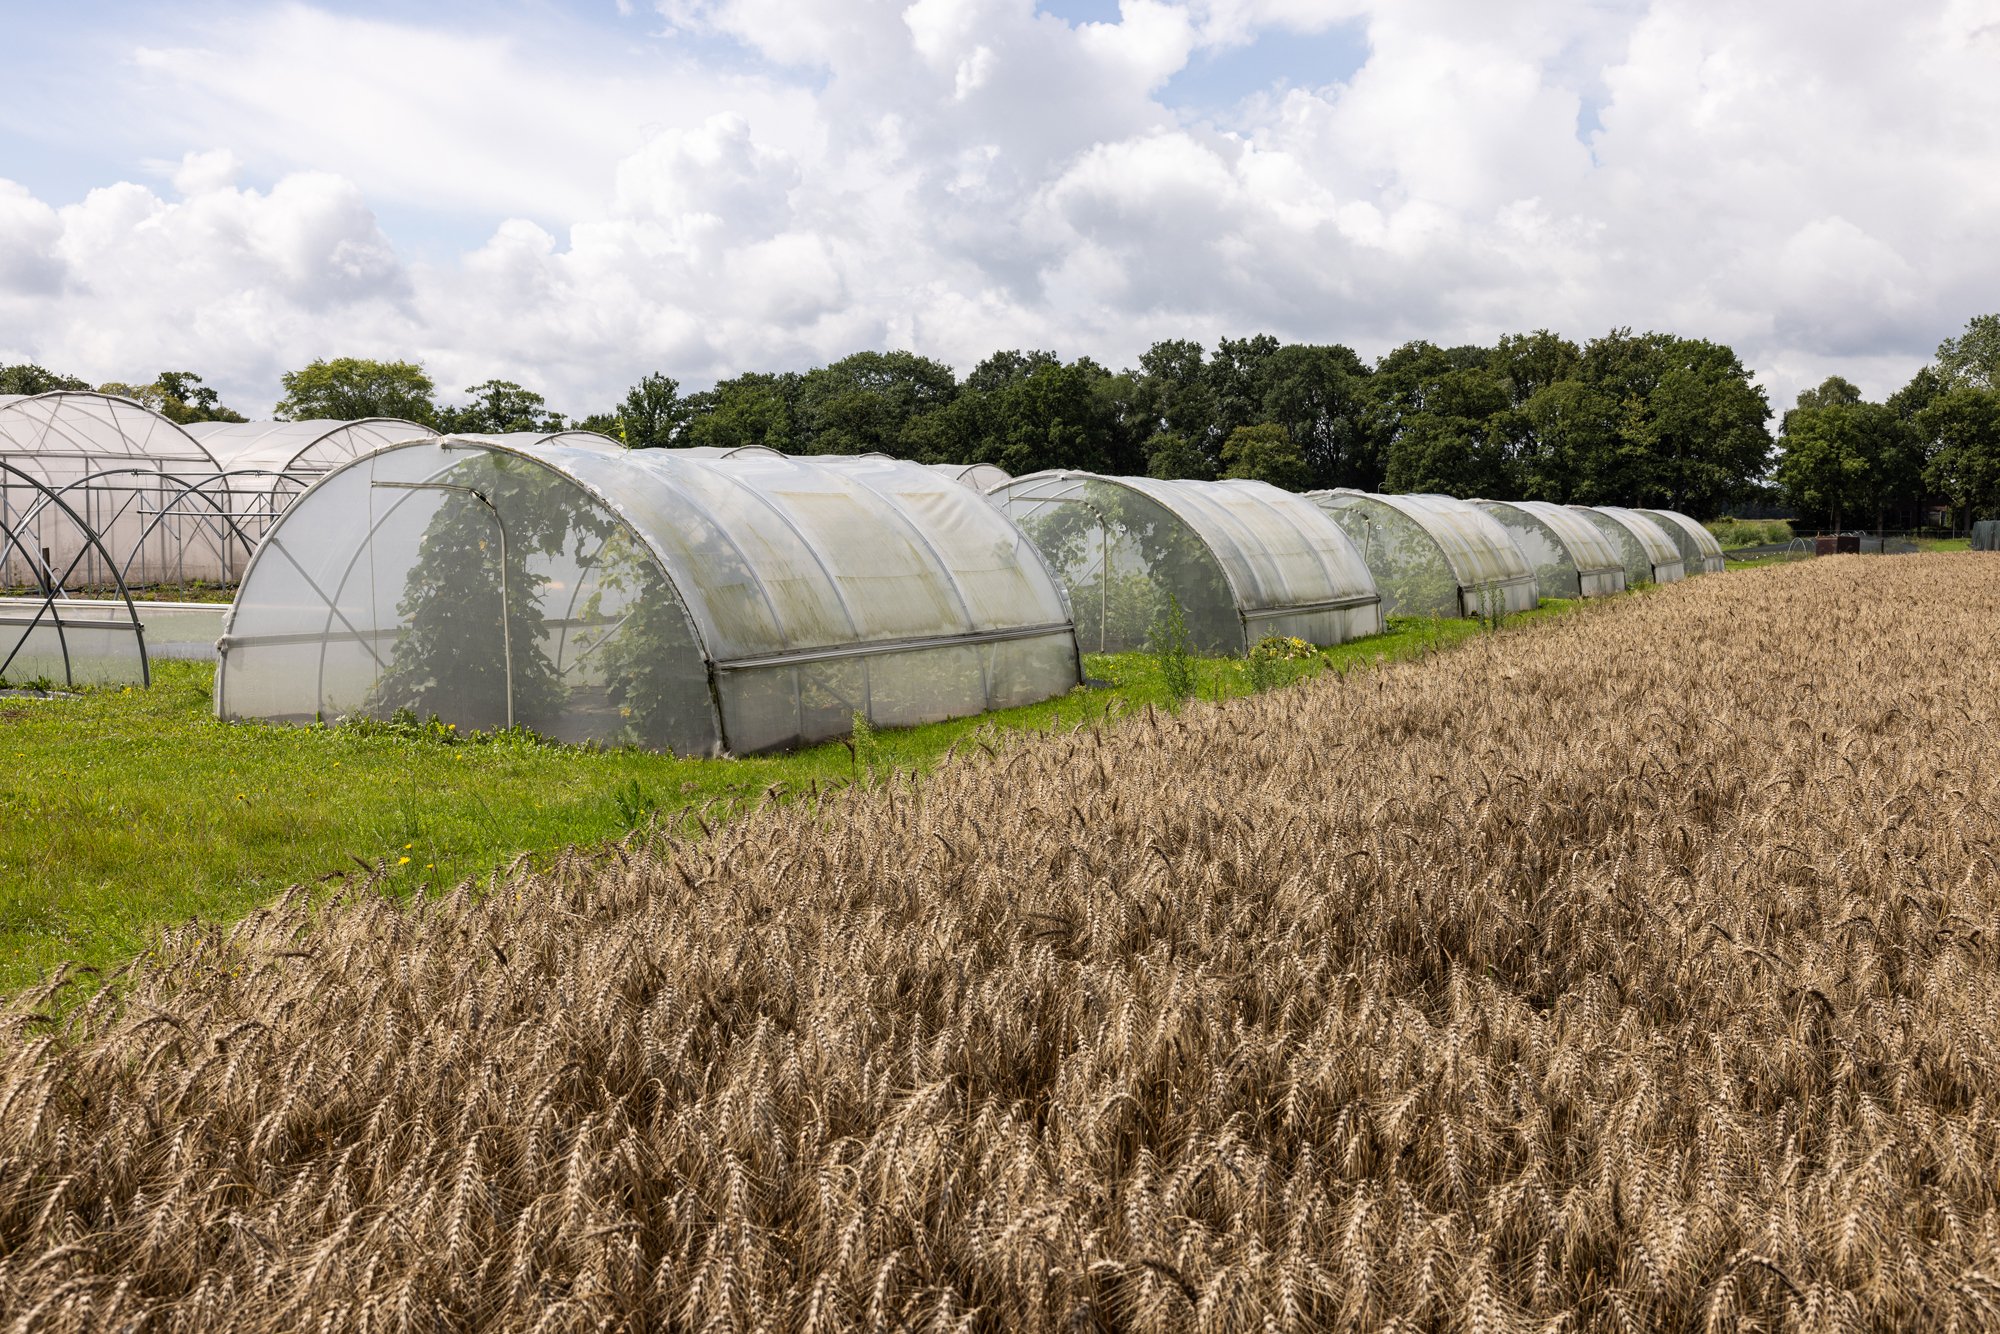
x=762 y=184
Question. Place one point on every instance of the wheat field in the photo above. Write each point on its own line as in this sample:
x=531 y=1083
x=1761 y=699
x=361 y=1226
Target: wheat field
x=1639 y=971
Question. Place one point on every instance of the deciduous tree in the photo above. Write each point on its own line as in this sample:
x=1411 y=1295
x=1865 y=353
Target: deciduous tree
x=345 y=388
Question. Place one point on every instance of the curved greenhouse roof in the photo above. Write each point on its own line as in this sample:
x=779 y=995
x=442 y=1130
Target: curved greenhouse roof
x=1648 y=554
x=696 y=605
x=536 y=439
x=727 y=451
x=1244 y=560
x=131 y=479
x=1700 y=552
x=303 y=447
x=1570 y=557
x=67 y=433
x=981 y=477
x=1434 y=555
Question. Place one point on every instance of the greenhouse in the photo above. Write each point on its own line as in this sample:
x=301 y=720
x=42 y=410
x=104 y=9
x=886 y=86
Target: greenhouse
x=1700 y=552
x=1243 y=561
x=1571 y=559
x=536 y=439
x=981 y=477
x=1434 y=555
x=128 y=476
x=693 y=604
x=302 y=448
x=1648 y=554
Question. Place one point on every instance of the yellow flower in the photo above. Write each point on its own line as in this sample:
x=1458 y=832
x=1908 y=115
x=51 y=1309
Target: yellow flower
x=402 y=861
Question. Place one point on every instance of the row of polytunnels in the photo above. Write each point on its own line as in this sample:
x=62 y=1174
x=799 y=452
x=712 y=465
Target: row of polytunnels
x=708 y=601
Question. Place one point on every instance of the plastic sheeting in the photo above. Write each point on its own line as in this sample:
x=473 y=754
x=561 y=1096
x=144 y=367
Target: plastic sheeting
x=681 y=603
x=1649 y=555
x=1700 y=552
x=981 y=477
x=1434 y=555
x=1986 y=535
x=1571 y=559
x=305 y=448
x=130 y=474
x=537 y=439
x=1244 y=561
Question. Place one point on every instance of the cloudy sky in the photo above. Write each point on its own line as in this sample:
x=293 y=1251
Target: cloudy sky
x=571 y=194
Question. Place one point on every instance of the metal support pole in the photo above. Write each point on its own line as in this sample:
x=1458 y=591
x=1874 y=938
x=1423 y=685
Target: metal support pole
x=506 y=606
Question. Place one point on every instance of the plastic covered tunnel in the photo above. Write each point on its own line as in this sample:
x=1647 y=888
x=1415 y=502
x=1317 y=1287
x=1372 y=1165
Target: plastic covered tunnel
x=691 y=604
x=1700 y=552
x=1570 y=557
x=1434 y=555
x=1648 y=554
x=1244 y=561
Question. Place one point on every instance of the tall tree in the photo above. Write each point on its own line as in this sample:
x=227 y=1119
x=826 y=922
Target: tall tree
x=499 y=407
x=179 y=396
x=1239 y=373
x=871 y=402
x=1705 y=428
x=184 y=398
x=653 y=415
x=1034 y=411
x=1972 y=359
x=1174 y=410
x=1963 y=424
x=1319 y=395
x=345 y=388
x=1430 y=412
x=1265 y=453
x=1563 y=439
x=752 y=409
x=28 y=378
x=1841 y=457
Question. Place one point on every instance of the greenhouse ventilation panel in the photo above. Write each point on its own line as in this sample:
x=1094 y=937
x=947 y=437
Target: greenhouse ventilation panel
x=690 y=604
x=1648 y=554
x=1571 y=559
x=1244 y=560
x=127 y=476
x=1434 y=555
x=1700 y=552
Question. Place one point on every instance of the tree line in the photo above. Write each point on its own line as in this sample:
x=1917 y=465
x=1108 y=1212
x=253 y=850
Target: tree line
x=1843 y=460
x=1629 y=418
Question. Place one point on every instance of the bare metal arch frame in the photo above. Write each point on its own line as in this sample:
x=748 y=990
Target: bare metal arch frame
x=49 y=612
x=212 y=490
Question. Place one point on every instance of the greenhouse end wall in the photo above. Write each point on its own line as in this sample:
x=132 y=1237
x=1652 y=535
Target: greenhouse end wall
x=695 y=605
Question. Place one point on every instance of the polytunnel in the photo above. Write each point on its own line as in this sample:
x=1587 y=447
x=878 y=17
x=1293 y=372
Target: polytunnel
x=1648 y=554
x=981 y=477
x=1700 y=552
x=691 y=604
x=1571 y=559
x=1434 y=555
x=1244 y=560
x=301 y=448
x=535 y=439
x=129 y=477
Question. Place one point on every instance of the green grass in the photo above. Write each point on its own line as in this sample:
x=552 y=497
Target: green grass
x=1749 y=532
x=125 y=810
